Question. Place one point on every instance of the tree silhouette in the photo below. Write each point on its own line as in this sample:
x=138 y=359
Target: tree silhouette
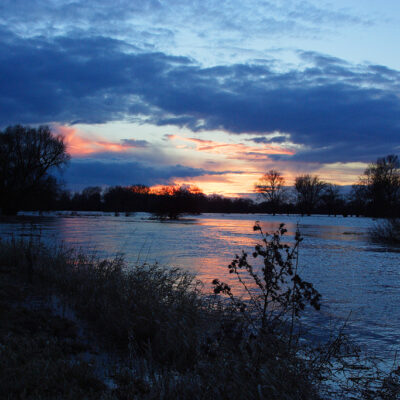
x=331 y=199
x=309 y=189
x=173 y=201
x=27 y=155
x=381 y=183
x=271 y=188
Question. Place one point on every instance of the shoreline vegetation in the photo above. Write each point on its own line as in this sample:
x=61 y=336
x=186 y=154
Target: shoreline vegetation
x=30 y=156
x=171 y=202
x=73 y=326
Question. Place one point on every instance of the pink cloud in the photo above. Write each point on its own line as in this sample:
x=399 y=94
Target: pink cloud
x=78 y=145
x=238 y=151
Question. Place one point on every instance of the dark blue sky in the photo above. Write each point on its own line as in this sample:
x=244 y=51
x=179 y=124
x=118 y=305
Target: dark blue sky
x=211 y=93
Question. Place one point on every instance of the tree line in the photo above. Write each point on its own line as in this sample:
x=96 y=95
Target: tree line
x=376 y=194
x=29 y=156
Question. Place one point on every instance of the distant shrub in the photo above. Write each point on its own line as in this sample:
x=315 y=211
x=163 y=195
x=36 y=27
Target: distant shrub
x=386 y=231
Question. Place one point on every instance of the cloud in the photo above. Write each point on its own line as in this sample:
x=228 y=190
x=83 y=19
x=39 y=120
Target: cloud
x=135 y=143
x=274 y=138
x=82 y=173
x=331 y=109
x=152 y=22
x=79 y=146
x=235 y=151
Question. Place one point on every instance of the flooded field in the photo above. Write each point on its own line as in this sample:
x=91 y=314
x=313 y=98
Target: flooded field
x=357 y=278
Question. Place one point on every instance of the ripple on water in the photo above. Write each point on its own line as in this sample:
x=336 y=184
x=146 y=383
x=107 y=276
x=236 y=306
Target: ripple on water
x=353 y=275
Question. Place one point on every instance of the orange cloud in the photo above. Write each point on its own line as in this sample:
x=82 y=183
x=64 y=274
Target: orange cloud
x=78 y=145
x=238 y=151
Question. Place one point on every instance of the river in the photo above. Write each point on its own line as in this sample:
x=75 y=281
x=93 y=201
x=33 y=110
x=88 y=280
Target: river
x=354 y=276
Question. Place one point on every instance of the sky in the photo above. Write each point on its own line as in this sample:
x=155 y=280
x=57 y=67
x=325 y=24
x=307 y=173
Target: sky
x=206 y=93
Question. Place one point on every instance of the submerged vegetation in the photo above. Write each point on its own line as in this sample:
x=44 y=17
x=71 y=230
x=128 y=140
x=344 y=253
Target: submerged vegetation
x=73 y=326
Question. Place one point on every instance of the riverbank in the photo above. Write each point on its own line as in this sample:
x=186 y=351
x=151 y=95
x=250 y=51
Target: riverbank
x=73 y=326
x=43 y=355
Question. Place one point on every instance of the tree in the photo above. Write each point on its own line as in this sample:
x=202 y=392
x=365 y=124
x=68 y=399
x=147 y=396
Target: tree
x=89 y=199
x=173 y=201
x=381 y=183
x=27 y=156
x=309 y=189
x=119 y=198
x=332 y=200
x=271 y=188
x=140 y=189
x=357 y=200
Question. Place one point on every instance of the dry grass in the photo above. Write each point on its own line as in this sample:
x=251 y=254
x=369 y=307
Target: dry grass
x=164 y=337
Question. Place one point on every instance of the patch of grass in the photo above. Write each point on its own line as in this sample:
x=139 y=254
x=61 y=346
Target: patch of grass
x=39 y=368
x=39 y=351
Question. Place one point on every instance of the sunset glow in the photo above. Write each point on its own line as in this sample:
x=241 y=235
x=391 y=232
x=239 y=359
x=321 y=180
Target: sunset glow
x=79 y=146
x=235 y=150
x=210 y=189
x=158 y=93
x=239 y=165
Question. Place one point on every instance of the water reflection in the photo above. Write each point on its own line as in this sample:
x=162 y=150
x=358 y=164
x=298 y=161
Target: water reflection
x=352 y=274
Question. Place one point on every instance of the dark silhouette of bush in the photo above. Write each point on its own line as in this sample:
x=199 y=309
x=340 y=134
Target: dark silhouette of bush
x=276 y=290
x=386 y=230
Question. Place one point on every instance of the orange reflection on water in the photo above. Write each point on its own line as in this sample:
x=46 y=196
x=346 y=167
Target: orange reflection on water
x=239 y=235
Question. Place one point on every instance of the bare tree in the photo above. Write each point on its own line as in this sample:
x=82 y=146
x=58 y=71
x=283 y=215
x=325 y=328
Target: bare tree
x=27 y=155
x=381 y=183
x=271 y=188
x=308 y=189
x=332 y=199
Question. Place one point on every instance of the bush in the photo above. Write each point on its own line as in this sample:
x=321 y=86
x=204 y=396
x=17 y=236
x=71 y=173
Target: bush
x=386 y=231
x=275 y=296
x=279 y=290
x=175 y=340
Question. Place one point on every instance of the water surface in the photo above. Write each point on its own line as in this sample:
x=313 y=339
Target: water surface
x=355 y=277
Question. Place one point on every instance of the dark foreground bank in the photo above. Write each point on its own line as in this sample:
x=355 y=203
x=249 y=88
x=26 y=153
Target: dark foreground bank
x=74 y=327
